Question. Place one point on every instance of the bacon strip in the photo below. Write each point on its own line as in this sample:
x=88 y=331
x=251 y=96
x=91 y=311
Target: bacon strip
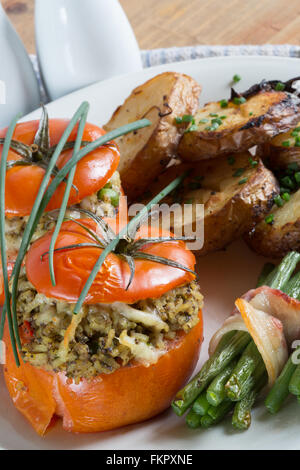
x=273 y=320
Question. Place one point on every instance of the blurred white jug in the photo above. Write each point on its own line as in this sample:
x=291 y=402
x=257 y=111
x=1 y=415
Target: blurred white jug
x=19 y=91
x=80 y=42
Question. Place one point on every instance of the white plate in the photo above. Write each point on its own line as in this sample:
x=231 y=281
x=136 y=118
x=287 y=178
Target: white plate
x=224 y=276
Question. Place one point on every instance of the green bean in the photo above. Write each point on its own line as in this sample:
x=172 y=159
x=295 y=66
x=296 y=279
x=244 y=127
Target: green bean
x=216 y=391
x=294 y=385
x=215 y=364
x=280 y=389
x=193 y=419
x=243 y=370
x=283 y=271
x=217 y=413
x=266 y=270
x=241 y=418
x=201 y=404
x=292 y=287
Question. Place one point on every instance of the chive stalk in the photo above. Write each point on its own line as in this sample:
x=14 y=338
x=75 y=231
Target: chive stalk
x=33 y=219
x=123 y=233
x=66 y=196
x=6 y=312
x=45 y=195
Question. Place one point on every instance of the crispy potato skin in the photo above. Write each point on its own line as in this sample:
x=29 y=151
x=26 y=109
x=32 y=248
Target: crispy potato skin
x=230 y=209
x=148 y=151
x=277 y=239
x=273 y=113
x=279 y=156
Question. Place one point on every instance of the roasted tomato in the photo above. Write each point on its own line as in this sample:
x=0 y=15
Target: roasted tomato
x=73 y=267
x=23 y=182
x=132 y=393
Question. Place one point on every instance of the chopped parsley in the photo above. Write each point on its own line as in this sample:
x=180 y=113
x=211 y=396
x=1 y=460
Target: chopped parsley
x=243 y=181
x=231 y=160
x=288 y=182
x=269 y=219
x=236 y=78
x=252 y=162
x=293 y=167
x=278 y=201
x=185 y=118
x=217 y=121
x=286 y=196
x=297 y=177
x=239 y=172
x=279 y=86
x=239 y=100
x=224 y=103
x=192 y=128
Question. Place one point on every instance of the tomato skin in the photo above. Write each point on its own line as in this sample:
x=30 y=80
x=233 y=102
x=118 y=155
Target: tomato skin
x=72 y=268
x=93 y=171
x=129 y=395
x=26 y=332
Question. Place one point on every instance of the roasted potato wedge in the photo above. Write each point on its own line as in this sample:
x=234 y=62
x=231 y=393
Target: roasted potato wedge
x=283 y=150
x=276 y=239
x=262 y=114
x=145 y=153
x=236 y=194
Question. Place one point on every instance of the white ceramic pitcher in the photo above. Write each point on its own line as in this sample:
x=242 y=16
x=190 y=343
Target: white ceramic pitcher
x=19 y=91
x=80 y=42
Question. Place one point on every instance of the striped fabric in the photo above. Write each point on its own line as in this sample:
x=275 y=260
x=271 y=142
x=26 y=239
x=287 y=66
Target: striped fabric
x=178 y=54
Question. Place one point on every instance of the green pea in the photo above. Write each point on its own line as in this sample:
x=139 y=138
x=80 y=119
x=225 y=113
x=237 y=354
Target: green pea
x=108 y=193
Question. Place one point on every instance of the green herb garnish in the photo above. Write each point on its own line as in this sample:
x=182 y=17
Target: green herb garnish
x=279 y=86
x=236 y=78
x=243 y=181
x=239 y=172
x=269 y=219
x=252 y=162
x=286 y=196
x=278 y=201
x=239 y=100
x=46 y=192
x=224 y=103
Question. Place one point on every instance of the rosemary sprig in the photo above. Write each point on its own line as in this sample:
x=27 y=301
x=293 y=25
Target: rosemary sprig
x=131 y=226
x=7 y=308
x=65 y=200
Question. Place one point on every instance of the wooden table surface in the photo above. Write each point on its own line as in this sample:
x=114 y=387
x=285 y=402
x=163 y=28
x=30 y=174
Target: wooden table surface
x=165 y=23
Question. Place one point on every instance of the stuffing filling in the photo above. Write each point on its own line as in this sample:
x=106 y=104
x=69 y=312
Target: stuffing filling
x=104 y=204
x=102 y=337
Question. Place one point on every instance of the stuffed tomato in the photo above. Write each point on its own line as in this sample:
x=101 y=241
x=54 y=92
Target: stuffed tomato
x=135 y=341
